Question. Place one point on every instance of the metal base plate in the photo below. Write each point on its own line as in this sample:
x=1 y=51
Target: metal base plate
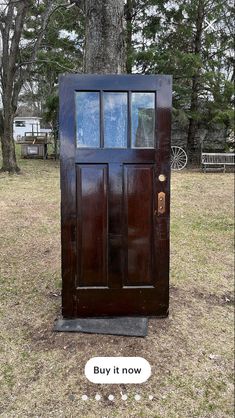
x=126 y=326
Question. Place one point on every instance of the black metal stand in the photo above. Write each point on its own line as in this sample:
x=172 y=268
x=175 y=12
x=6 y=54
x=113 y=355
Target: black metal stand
x=126 y=326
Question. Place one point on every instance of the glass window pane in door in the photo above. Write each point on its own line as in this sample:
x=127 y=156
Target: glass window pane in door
x=143 y=120
x=88 y=119
x=115 y=120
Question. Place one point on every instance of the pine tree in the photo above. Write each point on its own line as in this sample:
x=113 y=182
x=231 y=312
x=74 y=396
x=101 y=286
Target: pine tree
x=192 y=40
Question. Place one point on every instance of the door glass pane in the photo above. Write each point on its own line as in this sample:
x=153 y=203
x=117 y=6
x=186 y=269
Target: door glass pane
x=143 y=120
x=88 y=119
x=115 y=120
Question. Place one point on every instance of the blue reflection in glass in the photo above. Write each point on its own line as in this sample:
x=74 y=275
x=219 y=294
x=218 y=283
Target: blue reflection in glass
x=115 y=120
x=143 y=120
x=88 y=119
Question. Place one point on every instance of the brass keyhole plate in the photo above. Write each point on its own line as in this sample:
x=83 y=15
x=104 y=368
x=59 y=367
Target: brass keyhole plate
x=161 y=203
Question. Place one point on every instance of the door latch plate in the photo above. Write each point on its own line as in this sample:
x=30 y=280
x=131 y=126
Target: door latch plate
x=161 y=203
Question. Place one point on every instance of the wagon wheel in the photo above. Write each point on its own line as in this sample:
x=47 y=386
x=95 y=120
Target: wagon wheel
x=179 y=158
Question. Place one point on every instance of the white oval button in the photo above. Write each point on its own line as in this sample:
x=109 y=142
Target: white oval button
x=117 y=370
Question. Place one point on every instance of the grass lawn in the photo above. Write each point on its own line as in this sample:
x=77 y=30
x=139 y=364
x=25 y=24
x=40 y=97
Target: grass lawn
x=191 y=352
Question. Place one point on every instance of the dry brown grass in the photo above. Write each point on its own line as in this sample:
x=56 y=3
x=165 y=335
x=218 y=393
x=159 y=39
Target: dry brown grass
x=191 y=352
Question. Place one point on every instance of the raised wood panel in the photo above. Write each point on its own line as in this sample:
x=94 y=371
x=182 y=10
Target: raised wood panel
x=138 y=209
x=92 y=220
x=128 y=302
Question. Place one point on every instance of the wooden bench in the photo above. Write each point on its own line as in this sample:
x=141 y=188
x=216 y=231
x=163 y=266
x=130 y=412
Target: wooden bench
x=217 y=161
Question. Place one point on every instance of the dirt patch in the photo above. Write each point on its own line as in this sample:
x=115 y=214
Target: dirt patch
x=195 y=294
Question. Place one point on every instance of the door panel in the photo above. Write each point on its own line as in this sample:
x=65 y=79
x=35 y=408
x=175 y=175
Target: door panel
x=92 y=225
x=124 y=302
x=138 y=209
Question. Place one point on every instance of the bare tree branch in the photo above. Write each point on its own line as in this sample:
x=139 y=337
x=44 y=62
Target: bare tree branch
x=48 y=62
x=19 y=21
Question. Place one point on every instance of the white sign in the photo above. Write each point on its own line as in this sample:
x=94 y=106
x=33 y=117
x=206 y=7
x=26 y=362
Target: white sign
x=32 y=150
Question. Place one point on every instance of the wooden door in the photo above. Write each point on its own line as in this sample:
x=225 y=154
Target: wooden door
x=115 y=194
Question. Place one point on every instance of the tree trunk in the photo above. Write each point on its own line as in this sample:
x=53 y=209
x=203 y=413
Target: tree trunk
x=9 y=99
x=9 y=162
x=129 y=29
x=192 y=147
x=104 y=37
x=8 y=145
x=11 y=35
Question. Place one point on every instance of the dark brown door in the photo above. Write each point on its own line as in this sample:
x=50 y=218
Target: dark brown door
x=115 y=182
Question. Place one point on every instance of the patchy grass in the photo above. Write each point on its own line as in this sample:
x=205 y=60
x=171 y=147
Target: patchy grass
x=191 y=352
